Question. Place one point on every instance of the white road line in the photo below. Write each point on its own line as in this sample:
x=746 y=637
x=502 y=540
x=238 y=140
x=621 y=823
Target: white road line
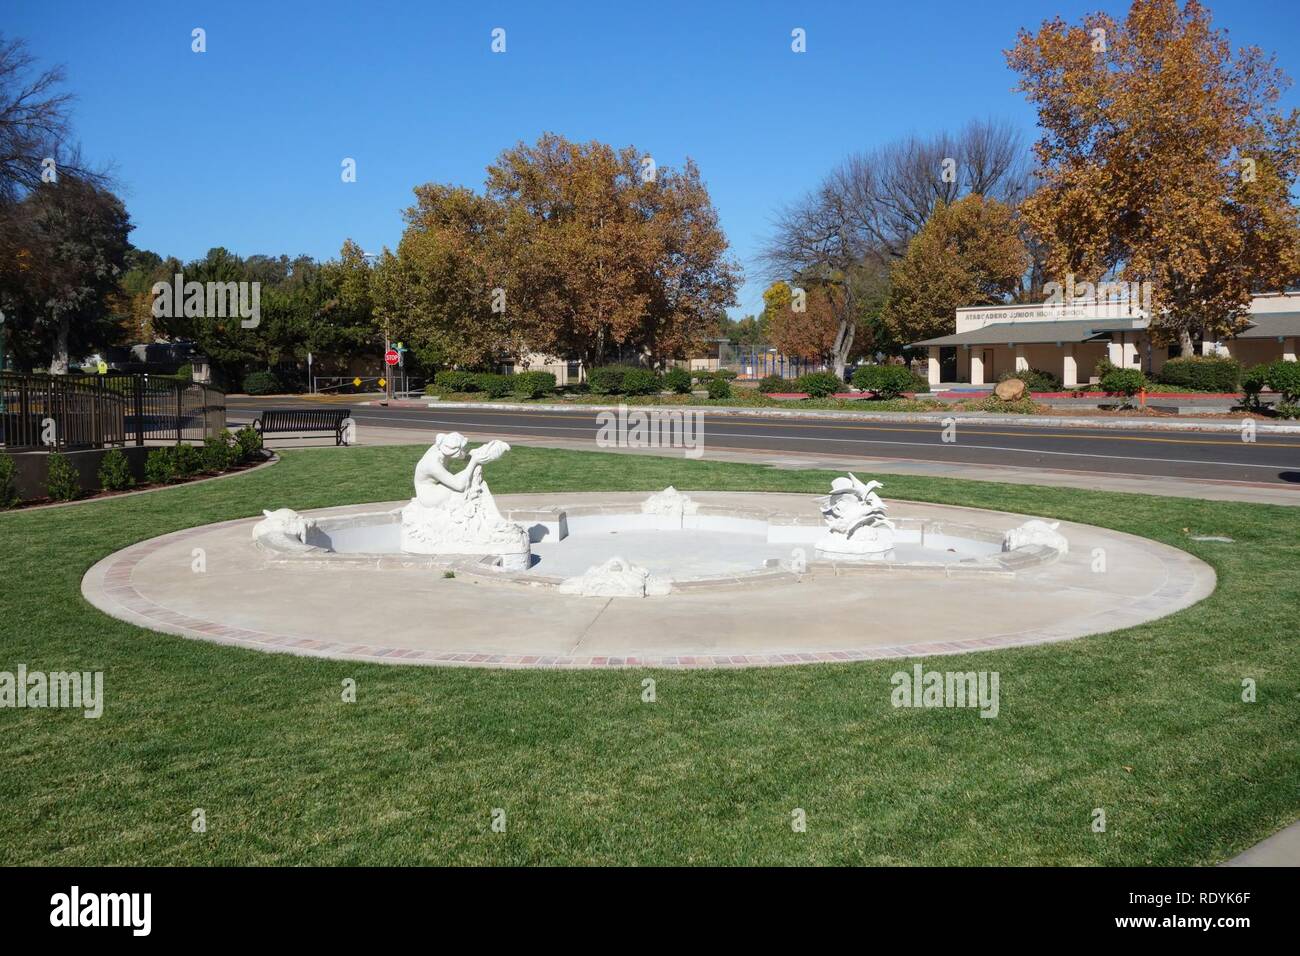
x=857 y=441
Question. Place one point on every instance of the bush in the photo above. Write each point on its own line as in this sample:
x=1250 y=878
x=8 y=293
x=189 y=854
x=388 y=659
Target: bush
x=1020 y=406
x=61 y=481
x=1123 y=381
x=607 y=380
x=493 y=384
x=160 y=466
x=219 y=452
x=1252 y=383
x=1202 y=373
x=248 y=442
x=261 y=383
x=1286 y=410
x=533 y=384
x=1035 y=379
x=8 y=482
x=719 y=387
x=772 y=383
x=678 y=380
x=1284 y=378
x=642 y=381
x=887 y=381
x=185 y=373
x=818 y=384
x=187 y=459
x=454 y=380
x=115 y=472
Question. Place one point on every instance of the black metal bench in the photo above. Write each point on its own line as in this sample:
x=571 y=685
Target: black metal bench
x=280 y=421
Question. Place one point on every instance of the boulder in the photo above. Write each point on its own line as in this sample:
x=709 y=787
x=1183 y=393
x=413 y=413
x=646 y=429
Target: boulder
x=1010 y=390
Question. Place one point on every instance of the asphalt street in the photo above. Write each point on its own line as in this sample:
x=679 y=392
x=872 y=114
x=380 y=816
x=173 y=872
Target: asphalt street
x=1221 y=456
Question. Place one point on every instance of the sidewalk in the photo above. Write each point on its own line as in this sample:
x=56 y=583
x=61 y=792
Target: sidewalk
x=1281 y=849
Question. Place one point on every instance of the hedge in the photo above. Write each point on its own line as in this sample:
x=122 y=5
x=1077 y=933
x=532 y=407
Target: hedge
x=1035 y=379
x=818 y=384
x=888 y=381
x=1202 y=373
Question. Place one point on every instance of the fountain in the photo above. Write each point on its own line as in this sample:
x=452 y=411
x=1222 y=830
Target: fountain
x=455 y=575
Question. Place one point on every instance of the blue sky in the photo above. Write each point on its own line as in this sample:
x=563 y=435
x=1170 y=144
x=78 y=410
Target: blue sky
x=241 y=146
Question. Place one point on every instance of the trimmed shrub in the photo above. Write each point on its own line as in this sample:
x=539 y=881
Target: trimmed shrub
x=1123 y=381
x=1284 y=378
x=454 y=380
x=719 y=387
x=607 y=380
x=678 y=380
x=533 y=384
x=773 y=383
x=219 y=452
x=492 y=384
x=887 y=381
x=261 y=383
x=818 y=384
x=248 y=443
x=160 y=466
x=1202 y=373
x=115 y=472
x=8 y=482
x=1253 y=381
x=642 y=381
x=1035 y=379
x=61 y=480
x=187 y=459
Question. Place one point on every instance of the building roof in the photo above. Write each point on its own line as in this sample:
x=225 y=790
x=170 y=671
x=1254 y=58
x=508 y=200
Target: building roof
x=1271 y=324
x=1033 y=333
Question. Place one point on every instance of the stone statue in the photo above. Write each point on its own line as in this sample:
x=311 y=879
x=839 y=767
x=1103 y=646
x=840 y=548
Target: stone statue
x=284 y=530
x=616 y=578
x=454 y=513
x=855 y=520
x=1036 y=532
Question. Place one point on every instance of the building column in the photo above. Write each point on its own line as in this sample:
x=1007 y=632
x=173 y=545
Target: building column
x=1022 y=361
x=932 y=365
x=1289 y=349
x=1115 y=349
x=1069 y=367
x=976 y=367
x=1131 y=357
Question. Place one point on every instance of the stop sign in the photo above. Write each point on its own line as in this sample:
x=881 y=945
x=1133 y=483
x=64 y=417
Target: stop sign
x=391 y=357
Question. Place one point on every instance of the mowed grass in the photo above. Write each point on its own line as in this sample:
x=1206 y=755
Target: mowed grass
x=1147 y=723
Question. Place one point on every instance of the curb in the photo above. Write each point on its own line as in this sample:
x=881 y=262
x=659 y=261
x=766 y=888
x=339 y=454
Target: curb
x=974 y=418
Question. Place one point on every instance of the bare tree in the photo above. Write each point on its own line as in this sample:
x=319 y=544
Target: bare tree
x=869 y=208
x=33 y=118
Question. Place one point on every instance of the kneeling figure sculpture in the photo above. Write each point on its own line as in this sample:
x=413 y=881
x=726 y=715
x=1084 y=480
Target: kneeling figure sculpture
x=454 y=513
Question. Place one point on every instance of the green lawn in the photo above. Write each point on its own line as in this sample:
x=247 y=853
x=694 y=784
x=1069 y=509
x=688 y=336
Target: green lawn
x=1146 y=723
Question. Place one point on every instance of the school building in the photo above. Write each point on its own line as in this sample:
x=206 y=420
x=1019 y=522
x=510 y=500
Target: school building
x=1069 y=340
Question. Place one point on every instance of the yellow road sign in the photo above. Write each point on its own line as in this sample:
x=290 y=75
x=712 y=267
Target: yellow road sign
x=356 y=381
x=383 y=382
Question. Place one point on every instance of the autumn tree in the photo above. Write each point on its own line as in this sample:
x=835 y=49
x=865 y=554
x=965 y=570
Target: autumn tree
x=842 y=236
x=1165 y=159
x=804 y=328
x=571 y=250
x=968 y=253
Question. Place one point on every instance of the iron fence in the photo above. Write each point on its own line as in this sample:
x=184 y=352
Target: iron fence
x=96 y=411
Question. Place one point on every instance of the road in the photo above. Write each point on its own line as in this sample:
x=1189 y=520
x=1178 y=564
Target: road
x=1221 y=456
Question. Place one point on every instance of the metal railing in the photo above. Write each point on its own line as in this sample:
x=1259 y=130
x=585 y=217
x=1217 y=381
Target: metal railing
x=69 y=411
